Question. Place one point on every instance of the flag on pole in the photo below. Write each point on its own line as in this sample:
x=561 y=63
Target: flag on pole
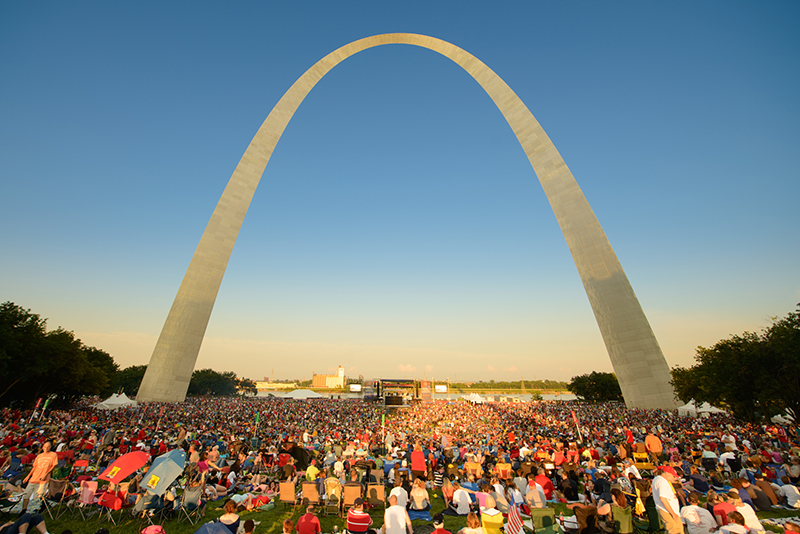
x=38 y=403
x=258 y=417
x=45 y=404
x=514 y=521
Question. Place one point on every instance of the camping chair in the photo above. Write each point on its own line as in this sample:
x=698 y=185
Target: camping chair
x=86 y=496
x=150 y=510
x=79 y=468
x=642 y=461
x=709 y=464
x=587 y=520
x=288 y=495
x=59 y=493
x=109 y=502
x=192 y=507
x=332 y=505
x=649 y=522
x=623 y=519
x=333 y=488
x=350 y=493
x=14 y=470
x=376 y=495
x=492 y=523
x=543 y=518
x=311 y=493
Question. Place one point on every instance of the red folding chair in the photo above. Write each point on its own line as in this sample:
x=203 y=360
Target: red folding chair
x=109 y=502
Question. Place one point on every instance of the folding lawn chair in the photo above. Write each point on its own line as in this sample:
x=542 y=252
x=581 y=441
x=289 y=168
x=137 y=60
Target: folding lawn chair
x=288 y=495
x=56 y=500
x=192 y=507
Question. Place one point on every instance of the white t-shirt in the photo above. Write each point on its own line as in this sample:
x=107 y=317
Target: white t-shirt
x=750 y=518
x=462 y=501
x=698 y=520
x=401 y=494
x=394 y=519
x=662 y=488
x=791 y=494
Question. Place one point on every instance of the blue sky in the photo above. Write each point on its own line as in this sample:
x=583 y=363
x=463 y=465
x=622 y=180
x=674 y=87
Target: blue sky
x=399 y=229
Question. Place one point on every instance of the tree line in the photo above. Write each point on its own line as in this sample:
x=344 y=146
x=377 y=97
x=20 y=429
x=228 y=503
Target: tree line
x=37 y=363
x=752 y=375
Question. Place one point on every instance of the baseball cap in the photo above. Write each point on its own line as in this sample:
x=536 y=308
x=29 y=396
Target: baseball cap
x=668 y=469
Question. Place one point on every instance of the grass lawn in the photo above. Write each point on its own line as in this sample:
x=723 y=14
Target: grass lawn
x=270 y=521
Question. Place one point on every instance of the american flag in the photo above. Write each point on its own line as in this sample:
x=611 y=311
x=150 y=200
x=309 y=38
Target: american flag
x=514 y=521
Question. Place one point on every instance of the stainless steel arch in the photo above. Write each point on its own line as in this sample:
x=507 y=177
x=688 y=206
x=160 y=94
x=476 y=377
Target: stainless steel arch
x=635 y=354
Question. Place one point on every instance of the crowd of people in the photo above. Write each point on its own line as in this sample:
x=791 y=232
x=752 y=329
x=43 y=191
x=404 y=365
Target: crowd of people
x=484 y=459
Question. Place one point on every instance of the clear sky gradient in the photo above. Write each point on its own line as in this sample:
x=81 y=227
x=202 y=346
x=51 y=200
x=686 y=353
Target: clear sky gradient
x=399 y=229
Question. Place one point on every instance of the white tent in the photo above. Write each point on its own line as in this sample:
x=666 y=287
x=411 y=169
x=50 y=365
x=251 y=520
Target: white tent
x=782 y=419
x=303 y=394
x=115 y=402
x=691 y=409
x=474 y=397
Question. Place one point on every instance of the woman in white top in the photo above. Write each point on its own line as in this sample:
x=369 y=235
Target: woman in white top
x=750 y=518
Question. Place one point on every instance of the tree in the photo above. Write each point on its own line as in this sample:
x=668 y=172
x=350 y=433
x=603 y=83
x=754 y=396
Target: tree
x=246 y=387
x=596 y=387
x=129 y=379
x=210 y=382
x=36 y=363
x=752 y=375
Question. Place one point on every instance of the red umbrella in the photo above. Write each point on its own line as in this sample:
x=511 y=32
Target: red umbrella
x=124 y=466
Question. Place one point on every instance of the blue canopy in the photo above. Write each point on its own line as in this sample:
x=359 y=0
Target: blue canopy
x=165 y=469
x=212 y=528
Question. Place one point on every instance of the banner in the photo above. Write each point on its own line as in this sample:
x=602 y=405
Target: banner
x=425 y=391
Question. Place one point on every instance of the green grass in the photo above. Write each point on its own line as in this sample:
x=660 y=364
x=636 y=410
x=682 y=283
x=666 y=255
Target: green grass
x=272 y=520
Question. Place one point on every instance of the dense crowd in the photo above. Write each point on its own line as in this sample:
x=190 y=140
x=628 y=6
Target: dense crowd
x=482 y=457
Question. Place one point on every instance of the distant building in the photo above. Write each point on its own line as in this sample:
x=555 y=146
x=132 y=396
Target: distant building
x=329 y=381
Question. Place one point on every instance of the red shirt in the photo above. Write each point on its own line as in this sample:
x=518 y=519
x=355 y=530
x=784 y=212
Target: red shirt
x=308 y=524
x=358 y=521
x=547 y=486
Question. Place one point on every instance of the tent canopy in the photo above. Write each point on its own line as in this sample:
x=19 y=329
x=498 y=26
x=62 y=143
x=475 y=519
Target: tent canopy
x=691 y=409
x=115 y=402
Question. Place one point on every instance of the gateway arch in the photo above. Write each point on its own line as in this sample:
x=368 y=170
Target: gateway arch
x=638 y=362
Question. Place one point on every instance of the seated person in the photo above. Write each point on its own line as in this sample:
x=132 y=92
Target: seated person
x=473 y=525
x=461 y=502
x=697 y=481
x=358 y=521
x=735 y=524
x=419 y=499
x=230 y=518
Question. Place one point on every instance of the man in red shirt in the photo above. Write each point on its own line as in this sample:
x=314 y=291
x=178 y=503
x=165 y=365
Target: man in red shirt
x=309 y=523
x=546 y=483
x=358 y=521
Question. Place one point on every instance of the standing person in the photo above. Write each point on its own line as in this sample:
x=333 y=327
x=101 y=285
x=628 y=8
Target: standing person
x=396 y=519
x=419 y=468
x=39 y=476
x=308 y=523
x=666 y=501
